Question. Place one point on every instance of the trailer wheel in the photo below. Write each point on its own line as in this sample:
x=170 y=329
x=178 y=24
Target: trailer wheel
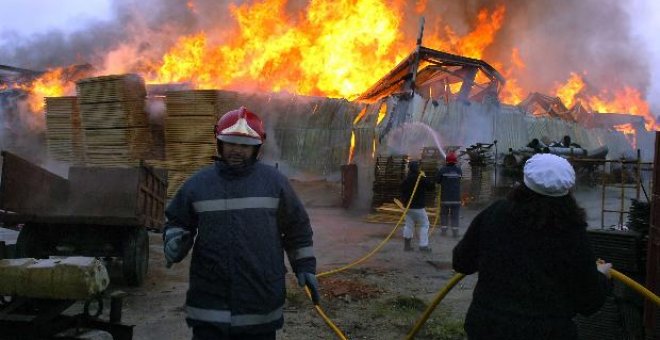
x=29 y=242
x=135 y=256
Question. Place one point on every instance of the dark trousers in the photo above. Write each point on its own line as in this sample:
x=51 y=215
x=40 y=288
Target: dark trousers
x=209 y=332
x=450 y=213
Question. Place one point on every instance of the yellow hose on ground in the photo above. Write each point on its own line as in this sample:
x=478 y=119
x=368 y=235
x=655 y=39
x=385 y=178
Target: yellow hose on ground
x=437 y=213
x=326 y=319
x=441 y=295
x=635 y=286
x=373 y=251
x=458 y=277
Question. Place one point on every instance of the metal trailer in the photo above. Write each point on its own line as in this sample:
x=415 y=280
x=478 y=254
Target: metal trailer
x=31 y=318
x=98 y=212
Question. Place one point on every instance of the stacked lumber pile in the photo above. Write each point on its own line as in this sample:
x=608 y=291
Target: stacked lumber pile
x=188 y=130
x=389 y=174
x=115 y=124
x=63 y=131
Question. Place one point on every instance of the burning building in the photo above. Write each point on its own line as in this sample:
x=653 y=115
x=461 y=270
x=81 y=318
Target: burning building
x=295 y=70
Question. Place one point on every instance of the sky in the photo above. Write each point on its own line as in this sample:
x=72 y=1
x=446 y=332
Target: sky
x=28 y=17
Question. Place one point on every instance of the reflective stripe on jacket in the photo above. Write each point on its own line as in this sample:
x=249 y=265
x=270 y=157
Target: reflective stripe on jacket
x=243 y=223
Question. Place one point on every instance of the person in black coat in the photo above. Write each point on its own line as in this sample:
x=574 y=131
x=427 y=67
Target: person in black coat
x=536 y=267
x=416 y=212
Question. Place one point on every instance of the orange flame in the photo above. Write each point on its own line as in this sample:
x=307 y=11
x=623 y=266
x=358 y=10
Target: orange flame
x=475 y=42
x=629 y=132
x=351 y=150
x=627 y=100
x=50 y=84
x=381 y=113
x=335 y=49
x=567 y=92
x=360 y=115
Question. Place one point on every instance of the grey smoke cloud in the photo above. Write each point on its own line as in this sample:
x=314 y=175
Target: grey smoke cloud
x=554 y=37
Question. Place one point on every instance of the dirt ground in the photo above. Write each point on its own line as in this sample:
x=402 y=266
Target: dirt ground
x=380 y=298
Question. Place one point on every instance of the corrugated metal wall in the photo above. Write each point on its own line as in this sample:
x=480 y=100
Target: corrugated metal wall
x=460 y=124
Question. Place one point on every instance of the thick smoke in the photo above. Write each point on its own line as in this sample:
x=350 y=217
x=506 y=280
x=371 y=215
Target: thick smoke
x=554 y=37
x=138 y=32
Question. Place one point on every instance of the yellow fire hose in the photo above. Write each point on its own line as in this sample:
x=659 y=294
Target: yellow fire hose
x=635 y=286
x=318 y=308
x=326 y=319
x=458 y=276
x=377 y=248
x=450 y=284
x=441 y=295
x=437 y=213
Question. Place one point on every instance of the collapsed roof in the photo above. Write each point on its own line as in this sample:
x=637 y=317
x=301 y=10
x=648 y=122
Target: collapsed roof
x=436 y=75
x=542 y=105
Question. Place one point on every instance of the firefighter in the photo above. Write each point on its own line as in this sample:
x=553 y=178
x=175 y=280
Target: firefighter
x=536 y=267
x=239 y=216
x=449 y=179
x=416 y=213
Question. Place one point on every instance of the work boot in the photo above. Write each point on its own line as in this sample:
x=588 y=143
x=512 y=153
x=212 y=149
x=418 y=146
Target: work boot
x=407 y=244
x=443 y=230
x=454 y=232
x=425 y=249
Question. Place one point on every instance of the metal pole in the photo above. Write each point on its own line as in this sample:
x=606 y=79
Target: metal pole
x=116 y=301
x=602 y=202
x=623 y=188
x=639 y=173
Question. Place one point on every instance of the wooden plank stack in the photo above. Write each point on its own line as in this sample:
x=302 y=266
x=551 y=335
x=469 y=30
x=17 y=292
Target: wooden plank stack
x=63 y=131
x=389 y=174
x=114 y=121
x=189 y=125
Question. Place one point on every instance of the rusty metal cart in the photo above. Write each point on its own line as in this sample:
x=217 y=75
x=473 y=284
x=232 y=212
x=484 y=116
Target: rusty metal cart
x=98 y=212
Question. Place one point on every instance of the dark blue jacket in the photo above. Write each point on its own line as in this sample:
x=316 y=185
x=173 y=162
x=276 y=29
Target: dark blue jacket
x=425 y=185
x=244 y=223
x=449 y=179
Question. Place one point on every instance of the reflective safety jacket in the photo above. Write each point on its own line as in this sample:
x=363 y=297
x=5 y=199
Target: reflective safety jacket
x=243 y=222
x=449 y=178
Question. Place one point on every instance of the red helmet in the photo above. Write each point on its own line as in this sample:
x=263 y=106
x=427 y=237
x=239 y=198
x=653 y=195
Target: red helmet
x=240 y=127
x=451 y=158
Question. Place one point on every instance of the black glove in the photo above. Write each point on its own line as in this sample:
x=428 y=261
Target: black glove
x=176 y=244
x=309 y=280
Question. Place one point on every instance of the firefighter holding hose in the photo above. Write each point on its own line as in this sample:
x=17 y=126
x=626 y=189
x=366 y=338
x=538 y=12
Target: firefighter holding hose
x=242 y=215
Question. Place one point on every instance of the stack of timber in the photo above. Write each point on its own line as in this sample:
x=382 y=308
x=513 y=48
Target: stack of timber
x=115 y=124
x=63 y=131
x=189 y=126
x=389 y=174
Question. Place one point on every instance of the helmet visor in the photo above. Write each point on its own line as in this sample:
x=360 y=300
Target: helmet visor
x=239 y=139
